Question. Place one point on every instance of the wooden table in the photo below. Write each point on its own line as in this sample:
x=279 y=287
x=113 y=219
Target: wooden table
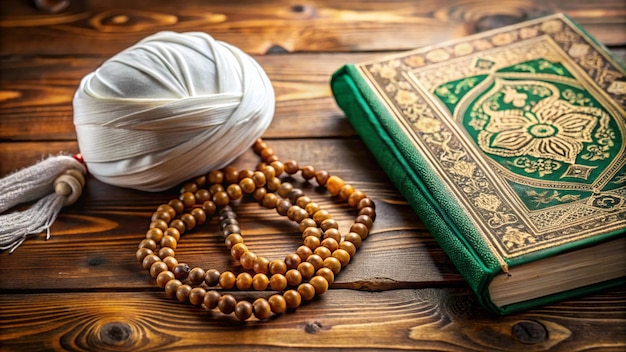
x=84 y=290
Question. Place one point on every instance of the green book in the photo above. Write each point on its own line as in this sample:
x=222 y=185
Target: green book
x=509 y=145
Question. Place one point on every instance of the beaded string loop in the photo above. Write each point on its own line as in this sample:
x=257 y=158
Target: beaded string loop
x=300 y=276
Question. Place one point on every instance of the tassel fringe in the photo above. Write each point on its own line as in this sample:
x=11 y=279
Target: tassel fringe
x=56 y=182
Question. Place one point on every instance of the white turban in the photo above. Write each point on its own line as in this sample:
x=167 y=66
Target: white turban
x=172 y=107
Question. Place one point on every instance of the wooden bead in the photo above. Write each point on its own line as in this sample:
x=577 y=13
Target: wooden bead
x=321 y=177
x=278 y=166
x=232 y=240
x=196 y=296
x=243 y=310
x=270 y=200
x=178 y=205
x=154 y=234
x=243 y=281
x=181 y=271
x=306 y=291
x=199 y=214
x=346 y=191
x=277 y=266
x=355 y=238
x=278 y=282
x=277 y=304
x=273 y=184
x=238 y=250
x=293 y=276
x=292 y=299
x=221 y=199
x=326 y=274
x=247 y=185
x=189 y=187
x=171 y=287
x=312 y=242
x=182 y=293
x=142 y=253
x=215 y=176
x=329 y=224
x=227 y=280
x=196 y=276
x=209 y=207
x=307 y=270
x=227 y=304
x=285 y=189
x=268 y=171
x=148 y=243
x=167 y=208
x=188 y=199
x=212 y=277
x=312 y=231
x=159 y=223
x=316 y=261
x=161 y=215
x=291 y=167
x=333 y=264
x=361 y=229
x=260 y=282
x=331 y=244
x=348 y=247
x=259 y=178
x=261 y=265
x=211 y=299
x=156 y=268
x=164 y=277
x=282 y=207
x=355 y=198
x=320 y=284
x=175 y=232
x=231 y=174
x=304 y=252
x=171 y=262
x=245 y=174
x=259 y=193
x=332 y=234
x=247 y=260
x=320 y=216
x=334 y=184
x=202 y=195
x=312 y=208
x=365 y=220
x=323 y=252
x=149 y=260
x=189 y=221
x=342 y=256
x=261 y=308
x=169 y=241
x=165 y=252
x=306 y=223
x=307 y=172
x=292 y=260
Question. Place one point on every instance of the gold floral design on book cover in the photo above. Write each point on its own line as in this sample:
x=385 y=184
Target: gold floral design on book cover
x=526 y=127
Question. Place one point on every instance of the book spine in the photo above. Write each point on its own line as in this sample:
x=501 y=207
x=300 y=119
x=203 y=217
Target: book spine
x=364 y=115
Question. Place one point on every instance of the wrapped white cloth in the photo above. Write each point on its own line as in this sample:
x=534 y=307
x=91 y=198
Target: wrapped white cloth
x=171 y=107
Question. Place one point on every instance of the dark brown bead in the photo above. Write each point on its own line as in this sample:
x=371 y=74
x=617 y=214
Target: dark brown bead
x=307 y=172
x=171 y=287
x=321 y=177
x=277 y=303
x=361 y=229
x=178 y=205
x=369 y=211
x=231 y=175
x=282 y=207
x=182 y=293
x=196 y=296
x=243 y=310
x=216 y=188
x=209 y=207
x=277 y=266
x=295 y=194
x=142 y=253
x=202 y=195
x=212 y=277
x=211 y=299
x=215 y=176
x=149 y=260
x=243 y=281
x=161 y=215
x=189 y=187
x=366 y=202
x=181 y=271
x=259 y=145
x=227 y=304
x=189 y=221
x=200 y=180
x=230 y=229
x=261 y=308
x=306 y=291
x=292 y=260
x=365 y=220
x=164 y=277
x=196 y=276
x=278 y=282
x=156 y=268
x=292 y=298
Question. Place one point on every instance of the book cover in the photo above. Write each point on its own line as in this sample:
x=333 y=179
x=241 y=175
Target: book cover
x=509 y=146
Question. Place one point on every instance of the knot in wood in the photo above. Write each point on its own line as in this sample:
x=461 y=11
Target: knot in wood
x=529 y=332
x=115 y=334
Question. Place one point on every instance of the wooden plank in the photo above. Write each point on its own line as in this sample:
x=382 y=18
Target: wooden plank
x=94 y=241
x=97 y=28
x=423 y=319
